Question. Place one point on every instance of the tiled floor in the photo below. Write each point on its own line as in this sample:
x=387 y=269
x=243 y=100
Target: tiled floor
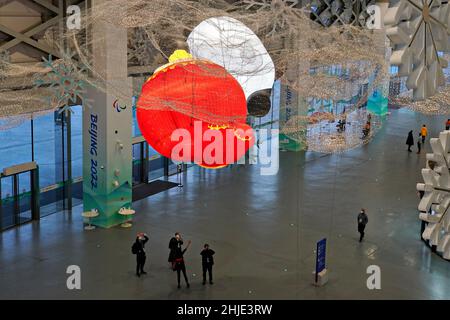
x=263 y=228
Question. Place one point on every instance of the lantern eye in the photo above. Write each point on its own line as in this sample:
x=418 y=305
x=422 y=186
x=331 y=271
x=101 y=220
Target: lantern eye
x=258 y=104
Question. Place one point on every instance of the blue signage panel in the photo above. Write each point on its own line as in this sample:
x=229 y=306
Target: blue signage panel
x=321 y=255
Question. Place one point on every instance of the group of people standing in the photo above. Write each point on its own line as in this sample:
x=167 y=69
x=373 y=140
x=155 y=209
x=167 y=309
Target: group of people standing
x=176 y=257
x=421 y=140
x=176 y=253
x=423 y=132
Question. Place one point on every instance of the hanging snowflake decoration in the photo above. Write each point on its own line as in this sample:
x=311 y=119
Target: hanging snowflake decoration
x=66 y=81
x=419 y=32
x=435 y=202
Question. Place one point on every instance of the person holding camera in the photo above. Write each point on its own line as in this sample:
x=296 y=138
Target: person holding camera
x=138 y=249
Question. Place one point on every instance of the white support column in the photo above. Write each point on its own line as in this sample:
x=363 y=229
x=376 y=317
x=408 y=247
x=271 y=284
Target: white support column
x=107 y=147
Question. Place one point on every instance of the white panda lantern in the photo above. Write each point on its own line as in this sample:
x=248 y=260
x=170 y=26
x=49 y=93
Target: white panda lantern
x=232 y=45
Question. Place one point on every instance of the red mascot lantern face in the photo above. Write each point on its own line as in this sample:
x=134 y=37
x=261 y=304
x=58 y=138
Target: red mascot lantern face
x=195 y=111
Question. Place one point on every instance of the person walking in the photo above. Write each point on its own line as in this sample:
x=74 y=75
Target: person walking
x=410 y=140
x=179 y=265
x=207 y=262
x=362 y=222
x=419 y=145
x=174 y=244
x=138 y=249
x=423 y=132
x=447 y=124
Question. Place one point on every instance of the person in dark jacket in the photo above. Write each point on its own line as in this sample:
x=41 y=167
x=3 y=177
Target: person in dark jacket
x=207 y=262
x=419 y=145
x=175 y=243
x=410 y=140
x=139 y=248
x=178 y=264
x=362 y=221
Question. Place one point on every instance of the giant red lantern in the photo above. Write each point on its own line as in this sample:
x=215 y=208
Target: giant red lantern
x=194 y=111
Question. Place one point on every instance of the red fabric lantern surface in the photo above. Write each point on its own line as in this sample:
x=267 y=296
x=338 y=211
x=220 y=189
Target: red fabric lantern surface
x=202 y=98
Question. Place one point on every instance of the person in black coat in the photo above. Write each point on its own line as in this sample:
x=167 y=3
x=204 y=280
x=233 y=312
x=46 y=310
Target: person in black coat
x=410 y=140
x=207 y=262
x=139 y=249
x=174 y=244
x=178 y=264
x=419 y=144
x=362 y=221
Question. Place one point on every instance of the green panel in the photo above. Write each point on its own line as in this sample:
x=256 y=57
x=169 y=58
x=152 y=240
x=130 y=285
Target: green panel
x=289 y=144
x=378 y=103
x=108 y=205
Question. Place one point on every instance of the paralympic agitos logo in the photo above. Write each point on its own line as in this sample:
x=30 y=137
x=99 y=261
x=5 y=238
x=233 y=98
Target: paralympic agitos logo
x=117 y=106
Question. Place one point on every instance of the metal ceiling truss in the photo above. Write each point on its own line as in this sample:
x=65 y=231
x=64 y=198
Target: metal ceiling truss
x=55 y=10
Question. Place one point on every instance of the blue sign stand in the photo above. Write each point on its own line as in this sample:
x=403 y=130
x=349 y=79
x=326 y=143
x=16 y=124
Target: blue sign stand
x=321 y=256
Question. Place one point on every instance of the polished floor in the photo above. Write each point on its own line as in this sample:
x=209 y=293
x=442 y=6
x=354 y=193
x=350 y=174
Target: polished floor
x=264 y=230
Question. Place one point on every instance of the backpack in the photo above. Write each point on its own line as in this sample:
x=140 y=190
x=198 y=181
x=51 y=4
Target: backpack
x=134 y=248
